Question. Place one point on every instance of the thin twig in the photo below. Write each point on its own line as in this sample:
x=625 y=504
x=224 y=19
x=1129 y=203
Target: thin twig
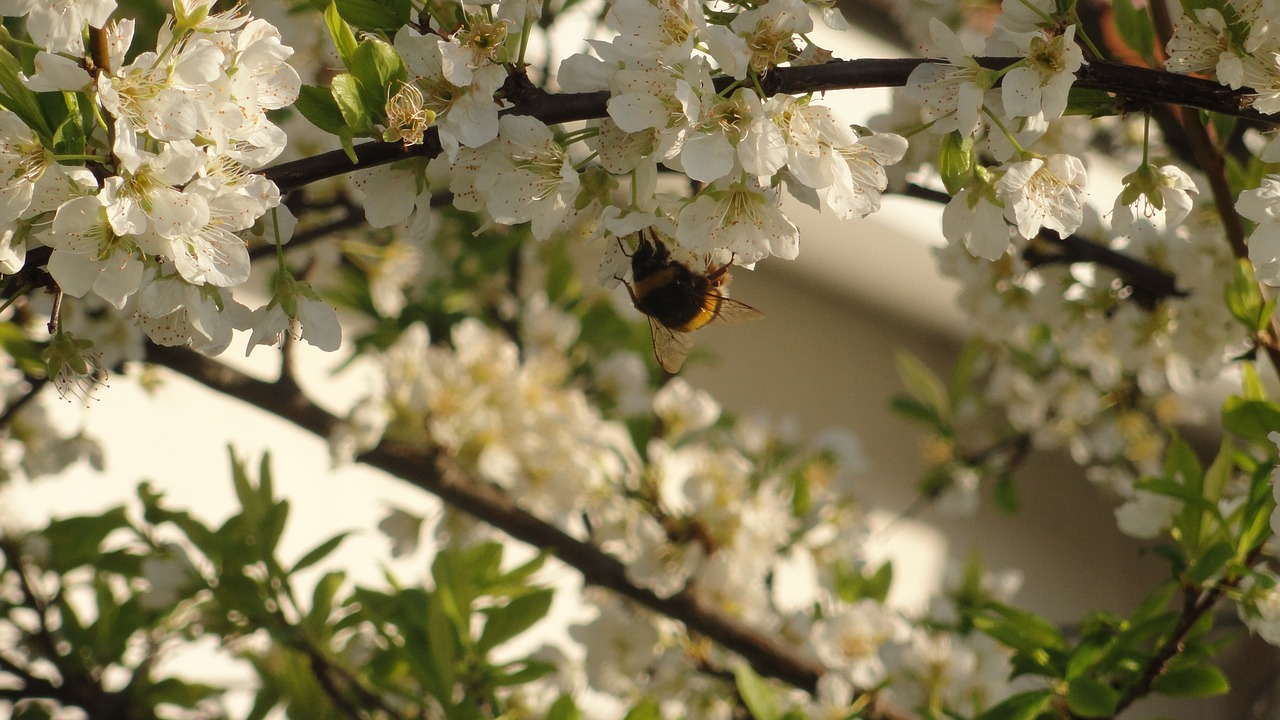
x=10 y=412
x=1150 y=284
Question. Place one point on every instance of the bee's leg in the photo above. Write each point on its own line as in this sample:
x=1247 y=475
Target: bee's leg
x=627 y=285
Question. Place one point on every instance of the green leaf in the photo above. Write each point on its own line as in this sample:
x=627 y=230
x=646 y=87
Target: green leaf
x=63 y=112
x=878 y=584
x=77 y=541
x=1090 y=698
x=1091 y=103
x=381 y=71
x=1020 y=630
x=1210 y=562
x=244 y=489
x=1251 y=383
x=646 y=709
x=319 y=552
x=343 y=39
x=388 y=15
x=514 y=618
x=1181 y=461
x=442 y=647
x=15 y=97
x=1023 y=706
x=1156 y=602
x=923 y=384
x=266 y=486
x=759 y=697
x=916 y=411
x=346 y=92
x=1005 y=493
x=1250 y=419
x=1086 y=655
x=1244 y=297
x=1192 y=681
x=319 y=107
x=177 y=692
x=273 y=527
x=1255 y=522
x=526 y=672
x=26 y=354
x=1219 y=472
x=322 y=596
x=966 y=366
x=1134 y=25
x=564 y=709
x=1168 y=488
x=346 y=137
x=266 y=700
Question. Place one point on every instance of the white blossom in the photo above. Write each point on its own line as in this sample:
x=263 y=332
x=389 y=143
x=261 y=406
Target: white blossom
x=1039 y=84
x=975 y=217
x=1044 y=192
x=951 y=94
x=89 y=255
x=850 y=640
x=683 y=409
x=465 y=114
x=1262 y=205
x=1146 y=514
x=1152 y=199
x=528 y=177
x=22 y=162
x=58 y=25
x=738 y=219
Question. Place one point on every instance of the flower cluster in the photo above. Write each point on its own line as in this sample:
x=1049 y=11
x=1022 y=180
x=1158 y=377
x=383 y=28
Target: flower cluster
x=502 y=419
x=664 y=108
x=144 y=188
x=1237 y=44
x=713 y=507
x=1029 y=191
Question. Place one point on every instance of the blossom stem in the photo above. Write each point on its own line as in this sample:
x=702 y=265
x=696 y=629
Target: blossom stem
x=86 y=158
x=582 y=165
x=275 y=227
x=168 y=48
x=25 y=288
x=1008 y=135
x=56 y=313
x=11 y=40
x=568 y=138
x=919 y=128
x=524 y=41
x=1083 y=37
x=1146 y=137
x=1046 y=17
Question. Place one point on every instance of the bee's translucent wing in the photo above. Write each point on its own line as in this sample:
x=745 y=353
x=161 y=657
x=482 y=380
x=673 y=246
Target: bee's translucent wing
x=732 y=311
x=669 y=346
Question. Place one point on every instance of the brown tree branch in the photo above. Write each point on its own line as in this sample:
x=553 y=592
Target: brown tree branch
x=1139 y=87
x=1150 y=284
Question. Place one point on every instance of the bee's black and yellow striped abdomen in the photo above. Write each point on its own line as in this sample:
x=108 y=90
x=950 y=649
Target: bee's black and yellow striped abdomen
x=677 y=297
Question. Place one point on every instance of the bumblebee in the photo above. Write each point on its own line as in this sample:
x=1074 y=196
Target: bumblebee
x=678 y=299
